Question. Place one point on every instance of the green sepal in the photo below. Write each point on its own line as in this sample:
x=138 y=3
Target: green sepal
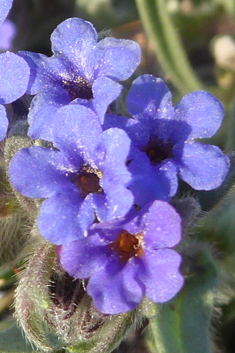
x=14 y=235
x=15 y=223
x=15 y=144
x=182 y=324
x=32 y=298
x=189 y=209
x=109 y=337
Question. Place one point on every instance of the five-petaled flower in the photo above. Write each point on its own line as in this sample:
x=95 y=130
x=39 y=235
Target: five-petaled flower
x=128 y=258
x=83 y=181
x=81 y=70
x=163 y=140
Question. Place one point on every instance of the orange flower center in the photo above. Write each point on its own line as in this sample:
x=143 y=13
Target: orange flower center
x=128 y=245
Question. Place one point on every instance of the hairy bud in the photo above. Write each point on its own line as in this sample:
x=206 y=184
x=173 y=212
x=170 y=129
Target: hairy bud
x=14 y=223
x=49 y=300
x=189 y=210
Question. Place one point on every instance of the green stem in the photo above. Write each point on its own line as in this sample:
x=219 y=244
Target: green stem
x=167 y=45
x=182 y=325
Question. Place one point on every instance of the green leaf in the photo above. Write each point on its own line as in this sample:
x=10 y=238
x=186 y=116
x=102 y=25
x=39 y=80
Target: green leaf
x=11 y=341
x=182 y=325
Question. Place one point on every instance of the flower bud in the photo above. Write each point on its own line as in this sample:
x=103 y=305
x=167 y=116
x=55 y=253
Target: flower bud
x=49 y=300
x=14 y=223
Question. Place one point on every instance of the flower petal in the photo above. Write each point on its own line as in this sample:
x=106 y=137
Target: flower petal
x=115 y=203
x=7 y=34
x=13 y=70
x=116 y=58
x=110 y=156
x=48 y=72
x=82 y=257
x=74 y=39
x=114 y=290
x=137 y=132
x=150 y=182
x=3 y=122
x=64 y=218
x=149 y=99
x=42 y=110
x=76 y=131
x=159 y=272
x=162 y=226
x=5 y=6
x=105 y=91
x=202 y=166
x=39 y=172
x=202 y=111
x=116 y=145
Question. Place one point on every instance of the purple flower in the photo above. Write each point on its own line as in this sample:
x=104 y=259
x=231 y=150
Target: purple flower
x=7 y=34
x=5 y=6
x=83 y=181
x=128 y=258
x=14 y=76
x=163 y=140
x=80 y=69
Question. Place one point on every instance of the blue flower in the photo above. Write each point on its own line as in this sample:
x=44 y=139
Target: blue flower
x=7 y=34
x=5 y=6
x=84 y=181
x=126 y=259
x=14 y=75
x=80 y=69
x=163 y=140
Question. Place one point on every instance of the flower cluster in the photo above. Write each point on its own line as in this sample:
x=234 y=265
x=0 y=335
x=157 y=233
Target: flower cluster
x=107 y=180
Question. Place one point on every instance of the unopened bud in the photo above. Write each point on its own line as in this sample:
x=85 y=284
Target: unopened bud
x=50 y=300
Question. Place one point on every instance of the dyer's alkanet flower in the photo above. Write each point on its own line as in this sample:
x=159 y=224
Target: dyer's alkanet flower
x=163 y=140
x=84 y=181
x=14 y=75
x=81 y=68
x=128 y=258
